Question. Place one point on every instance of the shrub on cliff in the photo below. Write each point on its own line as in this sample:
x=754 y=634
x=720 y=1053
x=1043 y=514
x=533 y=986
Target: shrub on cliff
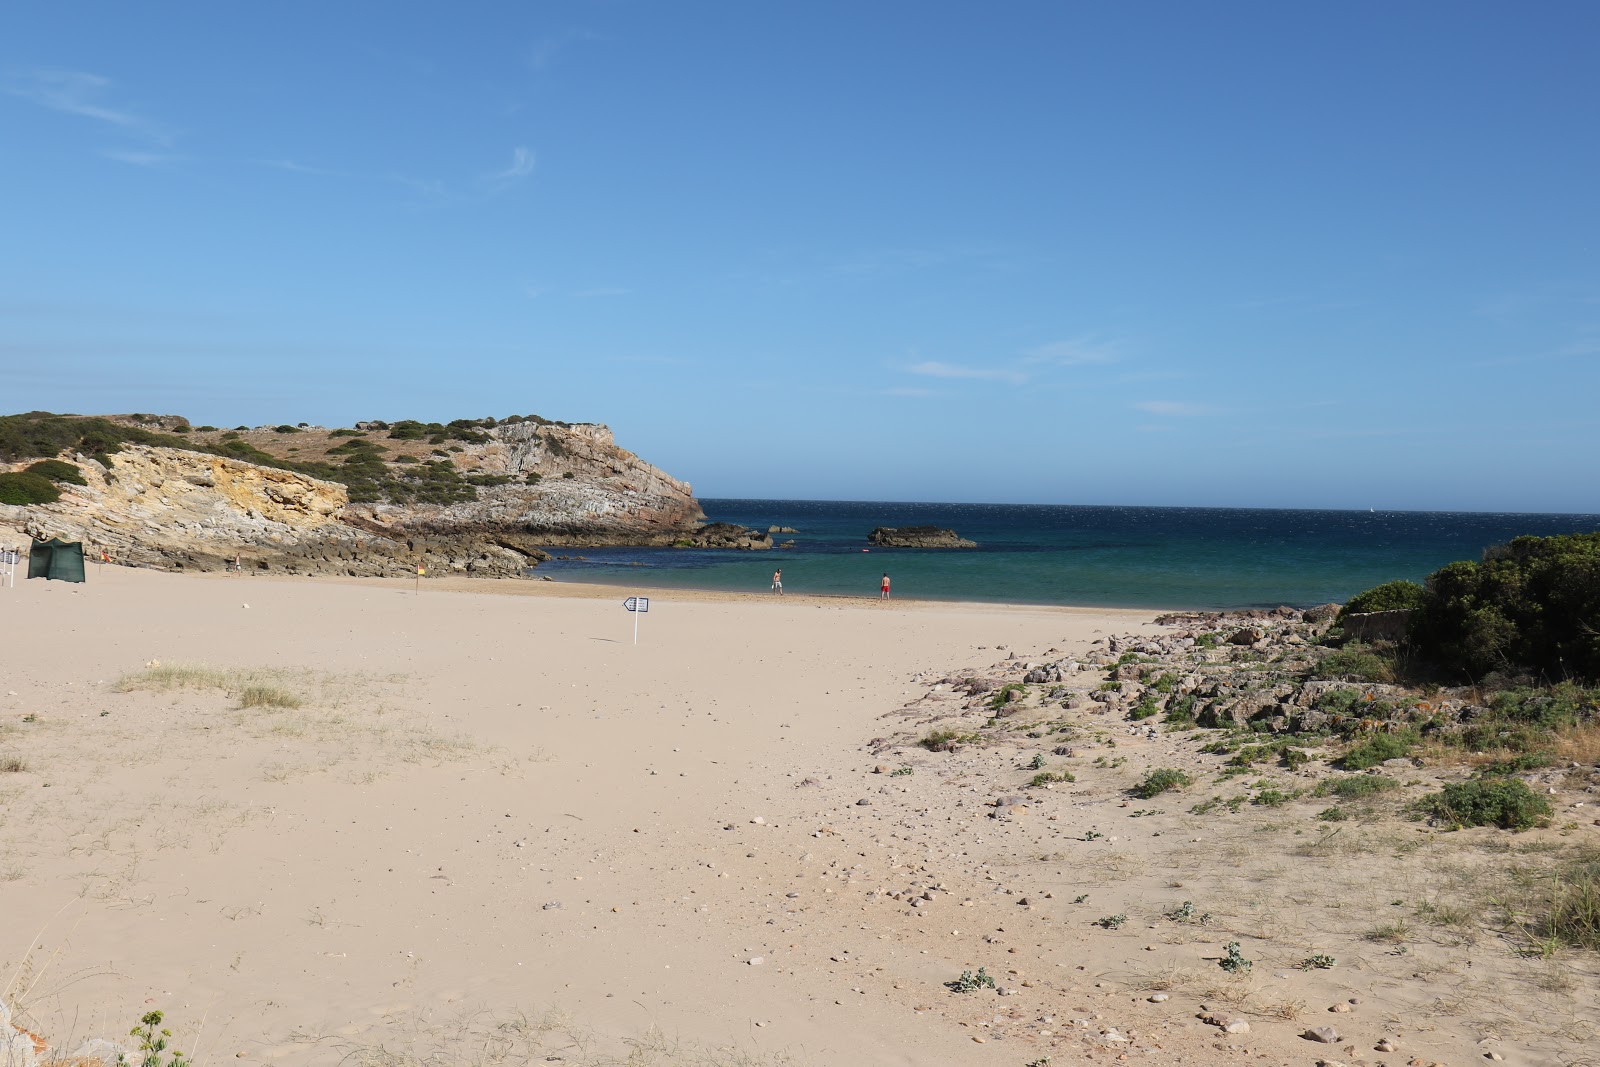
x=22 y=489
x=58 y=471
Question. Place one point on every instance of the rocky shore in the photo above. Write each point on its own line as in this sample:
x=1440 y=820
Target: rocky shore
x=516 y=488
x=917 y=537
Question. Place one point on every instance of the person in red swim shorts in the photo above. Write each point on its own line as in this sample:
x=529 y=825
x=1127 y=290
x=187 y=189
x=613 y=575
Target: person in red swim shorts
x=883 y=589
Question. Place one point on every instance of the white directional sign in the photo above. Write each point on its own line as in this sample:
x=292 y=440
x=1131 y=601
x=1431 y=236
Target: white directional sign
x=638 y=605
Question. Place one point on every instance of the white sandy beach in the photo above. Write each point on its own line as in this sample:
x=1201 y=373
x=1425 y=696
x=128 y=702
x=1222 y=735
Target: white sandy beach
x=493 y=805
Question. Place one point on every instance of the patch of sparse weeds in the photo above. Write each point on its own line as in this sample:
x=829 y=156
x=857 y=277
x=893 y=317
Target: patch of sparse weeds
x=1319 y=962
x=1080 y=898
x=1356 y=786
x=1209 y=640
x=1233 y=961
x=1037 y=762
x=941 y=740
x=1044 y=778
x=1378 y=748
x=1165 y=683
x=268 y=696
x=1357 y=663
x=1147 y=708
x=1110 y=922
x=1110 y=687
x=1517 y=764
x=1333 y=814
x=1187 y=913
x=1110 y=763
x=1002 y=696
x=1569 y=906
x=1393 y=932
x=12 y=765
x=1206 y=807
x=901 y=772
x=1273 y=797
x=1093 y=835
x=971 y=983
x=1161 y=780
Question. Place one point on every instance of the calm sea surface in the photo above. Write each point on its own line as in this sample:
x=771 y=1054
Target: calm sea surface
x=1066 y=554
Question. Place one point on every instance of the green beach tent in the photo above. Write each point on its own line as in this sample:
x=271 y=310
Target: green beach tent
x=58 y=559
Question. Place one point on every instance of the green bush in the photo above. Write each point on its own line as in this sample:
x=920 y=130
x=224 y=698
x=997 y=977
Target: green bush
x=1357 y=663
x=57 y=471
x=1390 y=596
x=1161 y=780
x=1378 y=748
x=1357 y=786
x=22 y=489
x=1529 y=606
x=286 y=428
x=1504 y=802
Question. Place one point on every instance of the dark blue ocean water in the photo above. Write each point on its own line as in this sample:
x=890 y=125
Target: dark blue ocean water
x=1069 y=554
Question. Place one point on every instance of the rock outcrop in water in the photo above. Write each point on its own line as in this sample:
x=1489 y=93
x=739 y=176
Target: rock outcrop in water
x=509 y=489
x=918 y=537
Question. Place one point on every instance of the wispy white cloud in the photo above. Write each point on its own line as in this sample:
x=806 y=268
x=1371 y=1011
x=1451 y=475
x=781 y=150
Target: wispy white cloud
x=936 y=369
x=523 y=163
x=142 y=159
x=1174 y=407
x=76 y=92
x=1073 y=353
x=429 y=187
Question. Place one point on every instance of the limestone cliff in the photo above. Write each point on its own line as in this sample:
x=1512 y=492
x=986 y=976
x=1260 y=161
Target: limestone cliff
x=535 y=483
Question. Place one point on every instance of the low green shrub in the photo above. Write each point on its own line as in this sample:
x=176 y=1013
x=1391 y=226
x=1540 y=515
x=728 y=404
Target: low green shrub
x=941 y=740
x=1356 y=663
x=1356 y=786
x=1390 y=596
x=1504 y=802
x=1377 y=748
x=57 y=471
x=22 y=489
x=1161 y=780
x=1181 y=711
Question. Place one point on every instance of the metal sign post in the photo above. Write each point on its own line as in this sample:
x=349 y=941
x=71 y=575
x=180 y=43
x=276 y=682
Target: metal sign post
x=638 y=605
x=9 y=558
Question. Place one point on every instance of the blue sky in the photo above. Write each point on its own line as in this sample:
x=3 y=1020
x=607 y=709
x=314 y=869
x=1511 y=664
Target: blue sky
x=1254 y=254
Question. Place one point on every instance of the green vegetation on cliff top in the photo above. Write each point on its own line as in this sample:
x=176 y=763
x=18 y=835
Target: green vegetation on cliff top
x=358 y=463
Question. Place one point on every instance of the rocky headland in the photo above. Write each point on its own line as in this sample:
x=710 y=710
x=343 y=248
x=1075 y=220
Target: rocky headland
x=918 y=537
x=479 y=497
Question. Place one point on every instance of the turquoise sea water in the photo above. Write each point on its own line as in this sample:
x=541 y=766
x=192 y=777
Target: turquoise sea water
x=1070 y=554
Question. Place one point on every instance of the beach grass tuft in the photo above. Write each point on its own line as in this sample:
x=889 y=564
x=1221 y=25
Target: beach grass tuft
x=267 y=696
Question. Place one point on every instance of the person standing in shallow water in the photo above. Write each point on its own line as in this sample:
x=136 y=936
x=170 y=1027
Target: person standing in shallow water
x=777 y=581
x=883 y=589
